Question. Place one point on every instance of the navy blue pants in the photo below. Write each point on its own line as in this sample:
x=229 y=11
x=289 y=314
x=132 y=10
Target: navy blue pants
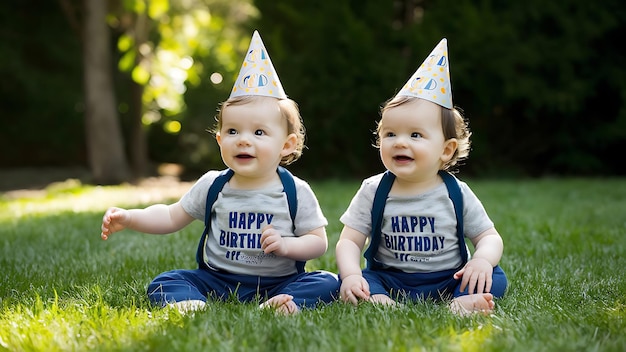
x=307 y=289
x=417 y=286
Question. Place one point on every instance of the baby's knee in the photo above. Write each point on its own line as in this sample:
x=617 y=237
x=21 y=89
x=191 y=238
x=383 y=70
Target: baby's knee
x=328 y=280
x=499 y=283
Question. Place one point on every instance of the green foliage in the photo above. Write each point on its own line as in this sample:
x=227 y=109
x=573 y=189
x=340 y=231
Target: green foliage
x=334 y=60
x=41 y=88
x=62 y=288
x=172 y=49
x=542 y=83
x=535 y=80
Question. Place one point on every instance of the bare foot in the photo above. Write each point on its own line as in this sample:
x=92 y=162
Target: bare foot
x=478 y=303
x=282 y=303
x=383 y=299
x=188 y=306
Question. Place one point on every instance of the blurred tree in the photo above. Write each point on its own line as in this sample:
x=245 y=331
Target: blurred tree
x=166 y=46
x=104 y=138
x=542 y=83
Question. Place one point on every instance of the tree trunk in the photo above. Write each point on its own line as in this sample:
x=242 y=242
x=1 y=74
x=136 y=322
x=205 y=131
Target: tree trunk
x=105 y=146
x=138 y=142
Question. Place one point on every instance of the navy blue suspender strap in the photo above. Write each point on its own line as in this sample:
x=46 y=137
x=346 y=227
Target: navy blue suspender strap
x=378 y=208
x=214 y=190
x=454 y=192
x=289 y=187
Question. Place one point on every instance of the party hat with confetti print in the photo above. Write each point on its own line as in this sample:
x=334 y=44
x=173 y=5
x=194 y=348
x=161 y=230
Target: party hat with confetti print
x=431 y=81
x=257 y=75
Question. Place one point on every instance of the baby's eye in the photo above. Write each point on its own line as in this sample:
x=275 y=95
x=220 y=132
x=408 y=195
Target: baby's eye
x=390 y=134
x=259 y=132
x=231 y=131
x=416 y=135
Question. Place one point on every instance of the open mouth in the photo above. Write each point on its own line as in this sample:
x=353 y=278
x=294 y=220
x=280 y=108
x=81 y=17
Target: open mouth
x=402 y=158
x=244 y=156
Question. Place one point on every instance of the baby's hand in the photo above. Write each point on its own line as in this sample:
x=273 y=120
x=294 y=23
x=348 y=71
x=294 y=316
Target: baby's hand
x=476 y=275
x=273 y=242
x=354 y=288
x=114 y=220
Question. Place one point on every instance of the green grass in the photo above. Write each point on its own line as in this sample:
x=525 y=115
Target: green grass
x=64 y=289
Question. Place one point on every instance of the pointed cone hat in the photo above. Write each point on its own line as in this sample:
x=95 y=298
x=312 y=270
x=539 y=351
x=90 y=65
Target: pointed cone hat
x=257 y=75
x=431 y=81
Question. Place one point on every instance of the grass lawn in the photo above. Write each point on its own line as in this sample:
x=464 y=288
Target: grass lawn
x=64 y=289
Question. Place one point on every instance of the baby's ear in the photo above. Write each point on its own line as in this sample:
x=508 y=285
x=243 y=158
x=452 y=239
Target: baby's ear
x=218 y=138
x=449 y=148
x=290 y=144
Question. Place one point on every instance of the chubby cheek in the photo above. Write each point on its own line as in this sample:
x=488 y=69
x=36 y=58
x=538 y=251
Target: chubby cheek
x=385 y=156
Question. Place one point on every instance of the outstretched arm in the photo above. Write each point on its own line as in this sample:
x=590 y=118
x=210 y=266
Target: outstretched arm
x=155 y=219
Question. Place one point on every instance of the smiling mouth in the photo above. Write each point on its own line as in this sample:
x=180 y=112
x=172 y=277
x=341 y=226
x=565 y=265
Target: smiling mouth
x=402 y=158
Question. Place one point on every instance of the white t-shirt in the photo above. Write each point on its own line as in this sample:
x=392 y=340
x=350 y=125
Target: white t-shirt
x=237 y=218
x=418 y=233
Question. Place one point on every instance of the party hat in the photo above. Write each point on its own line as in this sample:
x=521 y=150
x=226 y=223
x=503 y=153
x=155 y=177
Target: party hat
x=431 y=81
x=257 y=75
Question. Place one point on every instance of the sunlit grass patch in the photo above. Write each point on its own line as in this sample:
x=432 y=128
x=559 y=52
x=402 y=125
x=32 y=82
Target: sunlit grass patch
x=74 y=324
x=73 y=196
x=63 y=288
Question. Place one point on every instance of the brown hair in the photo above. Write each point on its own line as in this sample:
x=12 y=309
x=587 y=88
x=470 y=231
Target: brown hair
x=290 y=112
x=453 y=125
